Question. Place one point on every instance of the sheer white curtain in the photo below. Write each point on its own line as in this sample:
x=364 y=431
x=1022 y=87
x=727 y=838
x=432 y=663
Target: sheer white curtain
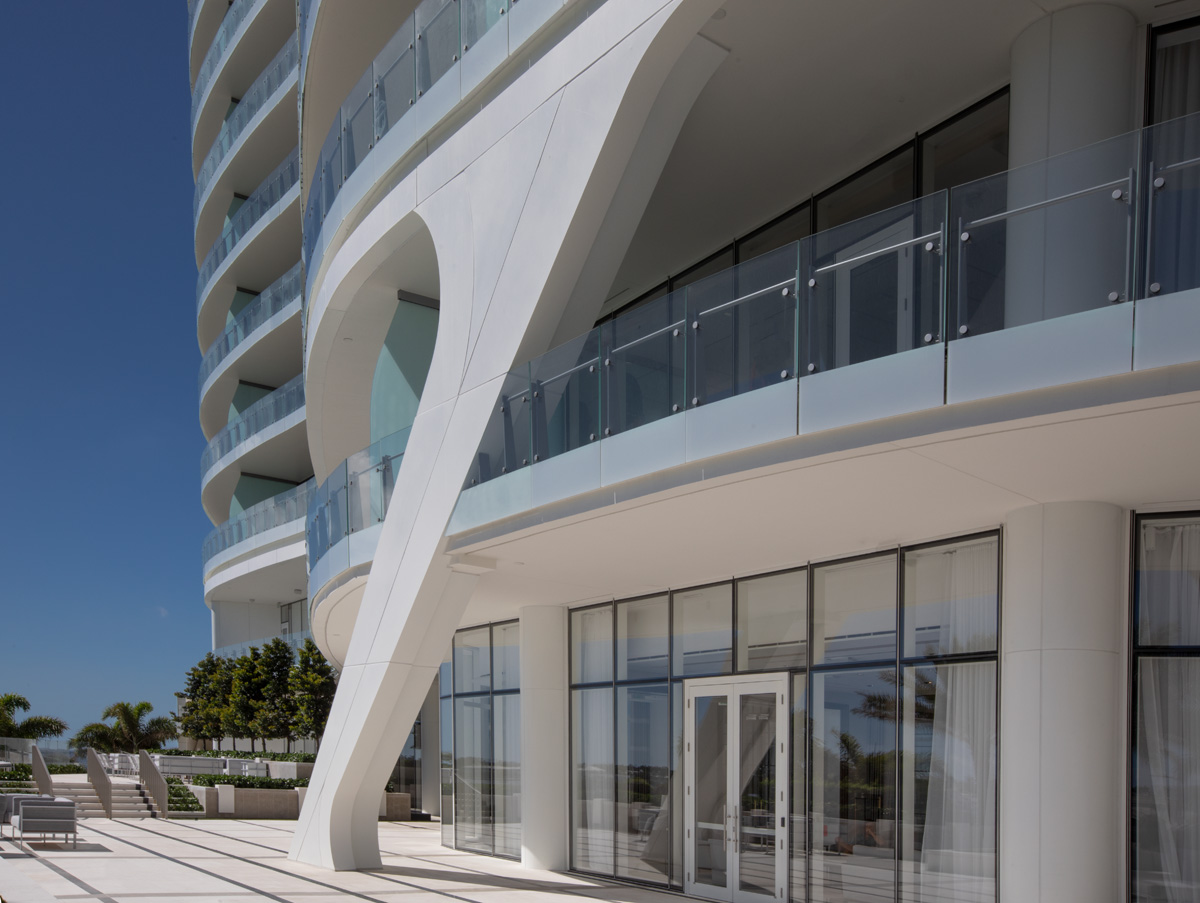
x=1169 y=564
x=959 y=843
x=594 y=780
x=1168 y=762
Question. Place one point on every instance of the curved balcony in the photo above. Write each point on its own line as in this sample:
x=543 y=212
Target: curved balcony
x=1024 y=281
x=259 y=323
x=260 y=526
x=268 y=438
x=347 y=512
x=442 y=53
x=279 y=189
x=263 y=97
x=251 y=32
x=204 y=18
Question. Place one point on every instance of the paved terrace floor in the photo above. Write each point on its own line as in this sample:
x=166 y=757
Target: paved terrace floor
x=196 y=861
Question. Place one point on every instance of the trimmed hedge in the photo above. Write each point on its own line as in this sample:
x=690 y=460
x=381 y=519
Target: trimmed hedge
x=247 y=781
x=66 y=769
x=241 y=754
x=17 y=773
x=180 y=799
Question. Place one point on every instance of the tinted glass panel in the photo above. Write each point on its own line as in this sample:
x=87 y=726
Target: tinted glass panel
x=950 y=595
x=592 y=645
x=971 y=147
x=507 y=773
x=592 y=747
x=1176 y=74
x=885 y=184
x=788 y=228
x=772 y=628
x=854 y=611
x=473 y=773
x=472 y=660
x=506 y=656
x=642 y=639
x=1168 y=583
x=703 y=640
x=643 y=782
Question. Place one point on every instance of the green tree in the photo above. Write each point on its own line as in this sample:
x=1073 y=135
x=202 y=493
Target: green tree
x=245 y=698
x=34 y=727
x=313 y=684
x=207 y=692
x=129 y=730
x=276 y=718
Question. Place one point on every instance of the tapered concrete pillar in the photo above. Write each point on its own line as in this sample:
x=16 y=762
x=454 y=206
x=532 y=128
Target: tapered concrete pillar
x=431 y=765
x=1062 y=705
x=544 y=737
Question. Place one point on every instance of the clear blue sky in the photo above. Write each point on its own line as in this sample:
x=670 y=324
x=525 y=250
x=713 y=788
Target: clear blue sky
x=100 y=588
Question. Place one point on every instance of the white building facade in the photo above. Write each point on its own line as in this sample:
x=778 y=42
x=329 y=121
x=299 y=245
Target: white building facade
x=755 y=441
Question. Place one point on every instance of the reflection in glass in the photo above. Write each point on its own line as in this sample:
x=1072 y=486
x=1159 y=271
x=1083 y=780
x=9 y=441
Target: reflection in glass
x=884 y=184
x=792 y=226
x=1166 y=793
x=592 y=780
x=592 y=645
x=446 y=732
x=853 y=765
x=1168 y=583
x=472 y=660
x=507 y=774
x=643 y=354
x=642 y=639
x=710 y=784
x=757 y=793
x=799 y=795
x=677 y=828
x=506 y=656
x=854 y=611
x=566 y=396
x=703 y=639
x=772 y=622
x=948 y=835
x=970 y=147
x=950 y=594
x=473 y=773
x=643 y=783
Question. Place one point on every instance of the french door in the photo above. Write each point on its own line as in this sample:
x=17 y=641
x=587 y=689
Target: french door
x=736 y=788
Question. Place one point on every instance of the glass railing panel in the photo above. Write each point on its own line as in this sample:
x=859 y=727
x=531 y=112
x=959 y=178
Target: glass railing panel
x=1045 y=240
x=316 y=533
x=566 y=397
x=337 y=507
x=358 y=123
x=478 y=18
x=283 y=291
x=395 y=79
x=875 y=286
x=285 y=400
x=264 y=87
x=643 y=354
x=361 y=505
x=267 y=195
x=331 y=169
x=742 y=326
x=437 y=24
x=507 y=439
x=390 y=452
x=312 y=213
x=233 y=20
x=285 y=508
x=1171 y=152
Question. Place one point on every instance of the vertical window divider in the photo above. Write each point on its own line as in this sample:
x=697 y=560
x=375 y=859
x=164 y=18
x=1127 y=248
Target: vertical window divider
x=898 y=803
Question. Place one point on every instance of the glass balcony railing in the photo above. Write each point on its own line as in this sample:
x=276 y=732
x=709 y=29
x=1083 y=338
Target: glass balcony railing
x=270 y=409
x=1097 y=227
x=425 y=48
x=355 y=496
x=275 y=74
x=286 y=508
x=283 y=291
x=265 y=196
x=234 y=17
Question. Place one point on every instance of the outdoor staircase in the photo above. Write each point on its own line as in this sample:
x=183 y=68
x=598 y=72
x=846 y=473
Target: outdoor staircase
x=128 y=801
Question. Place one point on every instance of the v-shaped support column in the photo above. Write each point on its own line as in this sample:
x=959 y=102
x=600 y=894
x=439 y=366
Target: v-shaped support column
x=515 y=224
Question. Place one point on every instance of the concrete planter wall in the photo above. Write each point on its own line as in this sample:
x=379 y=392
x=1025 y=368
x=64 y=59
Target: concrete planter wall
x=227 y=801
x=291 y=770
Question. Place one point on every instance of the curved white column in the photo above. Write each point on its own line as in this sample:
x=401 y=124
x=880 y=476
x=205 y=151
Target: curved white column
x=1062 y=710
x=544 y=735
x=514 y=226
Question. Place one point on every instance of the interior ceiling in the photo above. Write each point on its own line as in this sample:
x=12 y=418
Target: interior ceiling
x=838 y=505
x=810 y=93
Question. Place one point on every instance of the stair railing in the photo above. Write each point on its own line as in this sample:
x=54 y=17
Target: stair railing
x=100 y=781
x=154 y=782
x=41 y=774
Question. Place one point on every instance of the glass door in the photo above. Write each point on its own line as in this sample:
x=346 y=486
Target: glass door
x=736 y=783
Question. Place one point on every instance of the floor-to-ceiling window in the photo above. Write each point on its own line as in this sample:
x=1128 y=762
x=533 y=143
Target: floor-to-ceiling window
x=480 y=705
x=1166 y=710
x=893 y=664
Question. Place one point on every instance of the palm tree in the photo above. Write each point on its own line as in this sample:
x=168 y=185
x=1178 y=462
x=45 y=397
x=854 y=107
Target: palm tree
x=128 y=733
x=33 y=728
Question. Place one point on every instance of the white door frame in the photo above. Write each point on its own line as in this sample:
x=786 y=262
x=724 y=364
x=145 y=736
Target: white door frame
x=733 y=687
